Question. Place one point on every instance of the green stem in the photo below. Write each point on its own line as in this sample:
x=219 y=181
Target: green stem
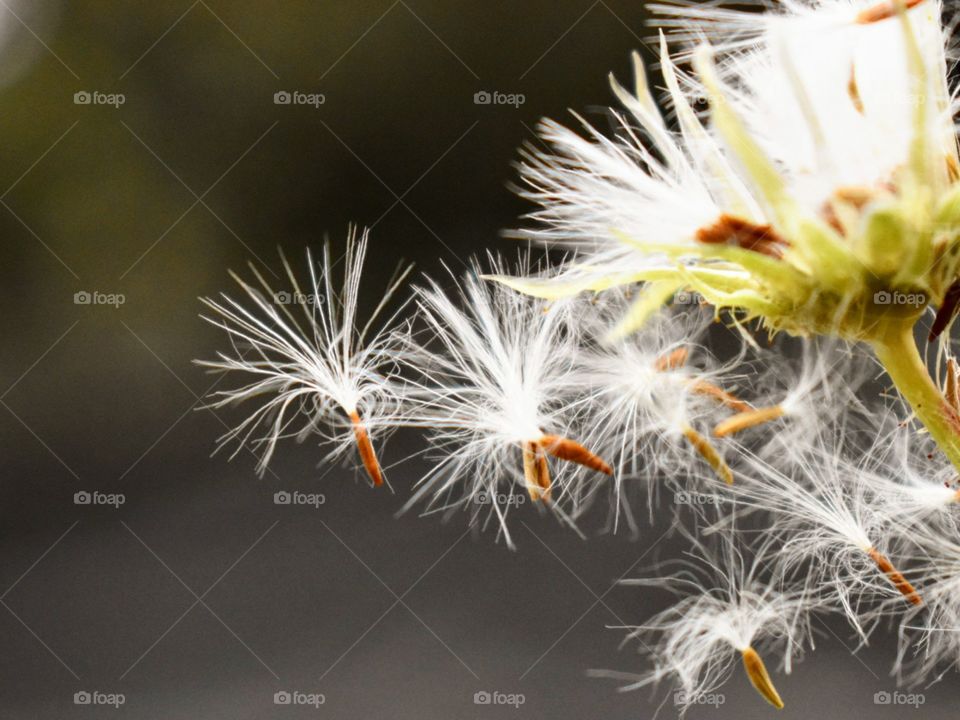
x=897 y=352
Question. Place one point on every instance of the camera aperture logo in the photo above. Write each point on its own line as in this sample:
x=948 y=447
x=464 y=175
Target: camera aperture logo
x=86 y=297
x=296 y=97
x=295 y=697
x=882 y=297
x=914 y=700
x=495 y=97
x=686 y=297
x=95 y=697
x=95 y=97
x=514 y=700
x=295 y=497
x=114 y=500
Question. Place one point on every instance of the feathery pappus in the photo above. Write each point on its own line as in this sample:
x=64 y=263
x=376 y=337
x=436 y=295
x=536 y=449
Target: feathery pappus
x=728 y=607
x=653 y=395
x=495 y=394
x=800 y=177
x=311 y=365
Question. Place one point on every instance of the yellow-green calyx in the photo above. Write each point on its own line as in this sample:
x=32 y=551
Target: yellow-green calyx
x=859 y=262
x=866 y=255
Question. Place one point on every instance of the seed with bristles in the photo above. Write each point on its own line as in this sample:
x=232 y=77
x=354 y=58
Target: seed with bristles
x=703 y=387
x=677 y=359
x=365 y=448
x=570 y=450
x=895 y=577
x=760 y=678
x=709 y=453
x=748 y=419
x=536 y=472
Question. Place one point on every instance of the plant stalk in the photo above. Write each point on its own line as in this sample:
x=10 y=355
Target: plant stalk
x=897 y=351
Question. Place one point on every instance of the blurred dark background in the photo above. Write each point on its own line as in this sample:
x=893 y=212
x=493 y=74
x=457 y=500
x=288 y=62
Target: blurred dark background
x=199 y=597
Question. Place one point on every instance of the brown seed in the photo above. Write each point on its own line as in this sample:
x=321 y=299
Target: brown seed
x=570 y=450
x=760 y=678
x=709 y=453
x=952 y=391
x=895 y=576
x=745 y=234
x=536 y=472
x=702 y=387
x=672 y=360
x=882 y=11
x=853 y=90
x=946 y=312
x=365 y=448
x=748 y=419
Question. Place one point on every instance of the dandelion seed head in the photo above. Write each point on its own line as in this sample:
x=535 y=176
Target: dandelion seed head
x=727 y=605
x=825 y=171
x=494 y=371
x=307 y=360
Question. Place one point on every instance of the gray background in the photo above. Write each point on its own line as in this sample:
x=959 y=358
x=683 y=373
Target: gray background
x=200 y=598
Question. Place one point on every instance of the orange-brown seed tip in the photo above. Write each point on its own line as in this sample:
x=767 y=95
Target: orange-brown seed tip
x=572 y=451
x=853 y=90
x=747 y=419
x=882 y=11
x=368 y=455
x=760 y=678
x=672 y=360
x=702 y=387
x=895 y=576
x=730 y=229
x=536 y=472
x=709 y=453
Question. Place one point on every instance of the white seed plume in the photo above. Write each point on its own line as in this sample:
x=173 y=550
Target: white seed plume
x=831 y=122
x=825 y=512
x=796 y=400
x=309 y=363
x=496 y=398
x=653 y=396
x=729 y=609
x=914 y=484
x=930 y=635
x=831 y=89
